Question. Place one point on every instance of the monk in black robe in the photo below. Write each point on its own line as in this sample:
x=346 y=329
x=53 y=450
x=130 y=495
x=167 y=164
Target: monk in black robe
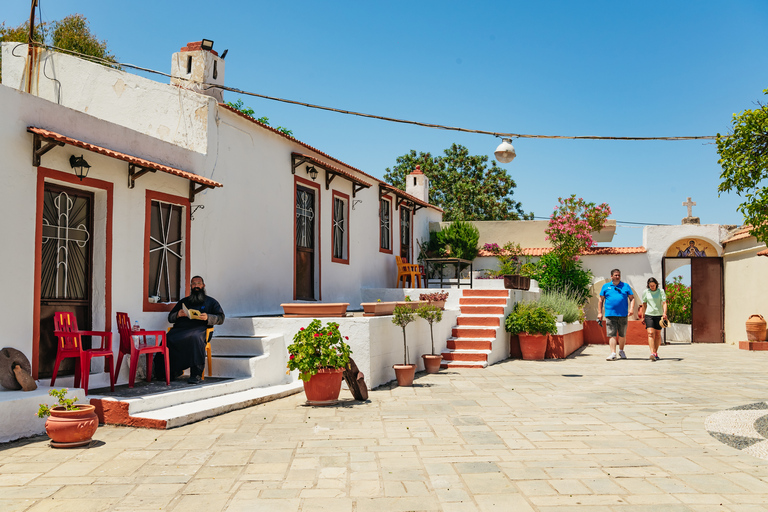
x=187 y=338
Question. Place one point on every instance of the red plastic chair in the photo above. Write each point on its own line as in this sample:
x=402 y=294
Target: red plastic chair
x=71 y=345
x=127 y=347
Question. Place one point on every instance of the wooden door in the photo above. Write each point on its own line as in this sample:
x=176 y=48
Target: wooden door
x=66 y=269
x=707 y=300
x=405 y=233
x=304 y=255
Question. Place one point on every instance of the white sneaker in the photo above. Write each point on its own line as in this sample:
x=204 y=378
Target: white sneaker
x=611 y=357
x=622 y=354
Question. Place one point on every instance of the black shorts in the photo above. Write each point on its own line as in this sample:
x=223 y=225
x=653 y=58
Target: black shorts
x=653 y=322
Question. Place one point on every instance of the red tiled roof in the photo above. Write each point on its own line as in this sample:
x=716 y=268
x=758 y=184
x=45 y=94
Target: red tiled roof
x=48 y=134
x=740 y=234
x=395 y=190
x=594 y=251
x=349 y=176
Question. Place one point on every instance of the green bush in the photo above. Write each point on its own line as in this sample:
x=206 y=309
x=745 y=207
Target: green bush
x=678 y=301
x=554 y=273
x=531 y=318
x=459 y=240
x=563 y=302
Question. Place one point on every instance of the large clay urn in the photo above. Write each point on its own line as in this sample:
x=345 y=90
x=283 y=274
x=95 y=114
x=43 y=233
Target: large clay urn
x=68 y=429
x=756 y=328
x=404 y=374
x=323 y=388
x=533 y=346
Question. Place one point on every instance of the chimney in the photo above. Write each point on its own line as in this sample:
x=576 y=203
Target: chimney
x=417 y=184
x=194 y=65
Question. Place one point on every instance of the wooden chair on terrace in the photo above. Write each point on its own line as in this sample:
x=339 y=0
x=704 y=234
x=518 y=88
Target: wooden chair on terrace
x=407 y=271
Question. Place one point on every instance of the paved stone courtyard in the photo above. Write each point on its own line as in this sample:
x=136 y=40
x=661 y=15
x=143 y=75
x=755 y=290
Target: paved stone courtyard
x=581 y=433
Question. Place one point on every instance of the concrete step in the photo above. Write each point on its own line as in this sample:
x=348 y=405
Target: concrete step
x=474 y=332
x=466 y=355
x=482 y=310
x=483 y=301
x=469 y=344
x=464 y=364
x=479 y=320
x=244 y=346
x=485 y=293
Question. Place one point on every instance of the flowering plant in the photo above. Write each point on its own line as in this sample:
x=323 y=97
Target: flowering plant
x=316 y=347
x=434 y=296
x=572 y=223
x=678 y=301
x=63 y=401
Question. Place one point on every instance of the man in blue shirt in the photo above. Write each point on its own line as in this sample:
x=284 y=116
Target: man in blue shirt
x=614 y=296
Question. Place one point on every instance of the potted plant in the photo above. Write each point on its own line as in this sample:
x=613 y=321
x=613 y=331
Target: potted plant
x=532 y=323
x=378 y=308
x=511 y=261
x=402 y=316
x=431 y=313
x=436 y=298
x=68 y=424
x=320 y=355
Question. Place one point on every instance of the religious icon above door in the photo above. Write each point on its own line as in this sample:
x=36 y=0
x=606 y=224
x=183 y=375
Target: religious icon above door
x=691 y=248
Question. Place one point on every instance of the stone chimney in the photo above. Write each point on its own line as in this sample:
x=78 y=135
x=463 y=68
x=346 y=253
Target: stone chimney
x=417 y=184
x=193 y=66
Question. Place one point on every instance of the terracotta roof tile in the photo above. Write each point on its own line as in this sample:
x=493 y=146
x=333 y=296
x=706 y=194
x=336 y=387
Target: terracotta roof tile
x=48 y=134
x=395 y=190
x=740 y=234
x=594 y=251
x=349 y=176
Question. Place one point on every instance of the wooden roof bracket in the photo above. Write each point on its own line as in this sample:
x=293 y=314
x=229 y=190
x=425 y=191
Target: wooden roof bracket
x=417 y=207
x=405 y=202
x=357 y=187
x=38 y=150
x=133 y=174
x=296 y=162
x=329 y=175
x=195 y=190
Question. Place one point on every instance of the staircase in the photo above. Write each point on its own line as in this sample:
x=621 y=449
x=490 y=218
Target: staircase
x=479 y=328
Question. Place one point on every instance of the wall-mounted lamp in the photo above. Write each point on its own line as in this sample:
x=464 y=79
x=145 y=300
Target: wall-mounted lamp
x=312 y=172
x=206 y=44
x=80 y=166
x=505 y=153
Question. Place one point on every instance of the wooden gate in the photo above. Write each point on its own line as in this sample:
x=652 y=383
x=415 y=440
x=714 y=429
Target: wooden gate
x=707 y=300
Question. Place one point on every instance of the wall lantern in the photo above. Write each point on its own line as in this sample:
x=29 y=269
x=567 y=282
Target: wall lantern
x=505 y=153
x=207 y=44
x=312 y=172
x=80 y=166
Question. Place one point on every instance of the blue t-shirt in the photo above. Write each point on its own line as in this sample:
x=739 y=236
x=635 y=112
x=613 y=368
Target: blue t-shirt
x=616 y=298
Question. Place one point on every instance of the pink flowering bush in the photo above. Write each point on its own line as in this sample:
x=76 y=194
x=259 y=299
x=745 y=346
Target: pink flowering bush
x=572 y=223
x=316 y=347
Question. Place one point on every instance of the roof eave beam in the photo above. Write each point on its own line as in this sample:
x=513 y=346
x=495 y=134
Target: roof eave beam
x=133 y=174
x=194 y=190
x=38 y=149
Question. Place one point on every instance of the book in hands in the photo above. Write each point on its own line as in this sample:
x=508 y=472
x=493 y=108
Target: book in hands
x=192 y=314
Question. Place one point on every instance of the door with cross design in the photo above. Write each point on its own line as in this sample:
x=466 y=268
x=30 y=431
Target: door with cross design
x=304 y=255
x=66 y=269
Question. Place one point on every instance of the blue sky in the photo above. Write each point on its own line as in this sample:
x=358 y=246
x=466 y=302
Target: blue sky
x=549 y=67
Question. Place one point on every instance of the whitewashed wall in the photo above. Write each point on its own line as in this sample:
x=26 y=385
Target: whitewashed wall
x=744 y=275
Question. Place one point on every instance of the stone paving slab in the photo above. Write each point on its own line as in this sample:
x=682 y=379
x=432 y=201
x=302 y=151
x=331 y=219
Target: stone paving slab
x=578 y=434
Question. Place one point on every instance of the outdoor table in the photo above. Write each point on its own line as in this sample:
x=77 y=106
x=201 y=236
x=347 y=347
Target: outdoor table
x=456 y=262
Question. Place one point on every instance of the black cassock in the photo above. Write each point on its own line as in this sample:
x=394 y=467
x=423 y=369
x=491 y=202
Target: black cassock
x=186 y=339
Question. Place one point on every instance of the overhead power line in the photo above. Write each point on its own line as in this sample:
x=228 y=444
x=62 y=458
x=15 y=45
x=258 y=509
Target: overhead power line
x=385 y=118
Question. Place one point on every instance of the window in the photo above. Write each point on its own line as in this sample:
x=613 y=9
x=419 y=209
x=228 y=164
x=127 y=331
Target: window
x=166 y=245
x=340 y=231
x=385 y=225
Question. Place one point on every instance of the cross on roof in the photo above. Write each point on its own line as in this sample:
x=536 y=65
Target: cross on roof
x=689 y=204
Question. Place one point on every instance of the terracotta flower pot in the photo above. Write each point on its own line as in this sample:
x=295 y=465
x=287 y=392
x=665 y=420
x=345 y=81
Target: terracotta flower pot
x=404 y=374
x=68 y=429
x=533 y=346
x=323 y=388
x=315 y=309
x=378 y=308
x=413 y=304
x=438 y=303
x=432 y=362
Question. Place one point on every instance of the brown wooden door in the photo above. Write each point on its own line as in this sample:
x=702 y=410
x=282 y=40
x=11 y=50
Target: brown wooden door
x=405 y=233
x=305 y=244
x=66 y=269
x=707 y=300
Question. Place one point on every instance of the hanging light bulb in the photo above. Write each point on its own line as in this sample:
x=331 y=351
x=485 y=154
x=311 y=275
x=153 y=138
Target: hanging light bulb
x=505 y=153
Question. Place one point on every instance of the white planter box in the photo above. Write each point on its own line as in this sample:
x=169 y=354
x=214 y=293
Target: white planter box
x=679 y=332
x=564 y=328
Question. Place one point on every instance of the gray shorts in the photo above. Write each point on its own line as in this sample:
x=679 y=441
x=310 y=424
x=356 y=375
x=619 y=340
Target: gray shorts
x=616 y=323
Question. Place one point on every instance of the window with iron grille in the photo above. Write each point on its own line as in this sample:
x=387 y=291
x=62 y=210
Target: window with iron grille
x=166 y=251
x=385 y=225
x=340 y=233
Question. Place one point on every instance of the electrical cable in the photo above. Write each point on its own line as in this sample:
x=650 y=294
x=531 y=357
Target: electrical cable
x=384 y=118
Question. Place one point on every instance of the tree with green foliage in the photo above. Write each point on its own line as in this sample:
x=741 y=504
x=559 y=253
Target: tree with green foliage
x=744 y=159
x=70 y=33
x=463 y=185
x=239 y=105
